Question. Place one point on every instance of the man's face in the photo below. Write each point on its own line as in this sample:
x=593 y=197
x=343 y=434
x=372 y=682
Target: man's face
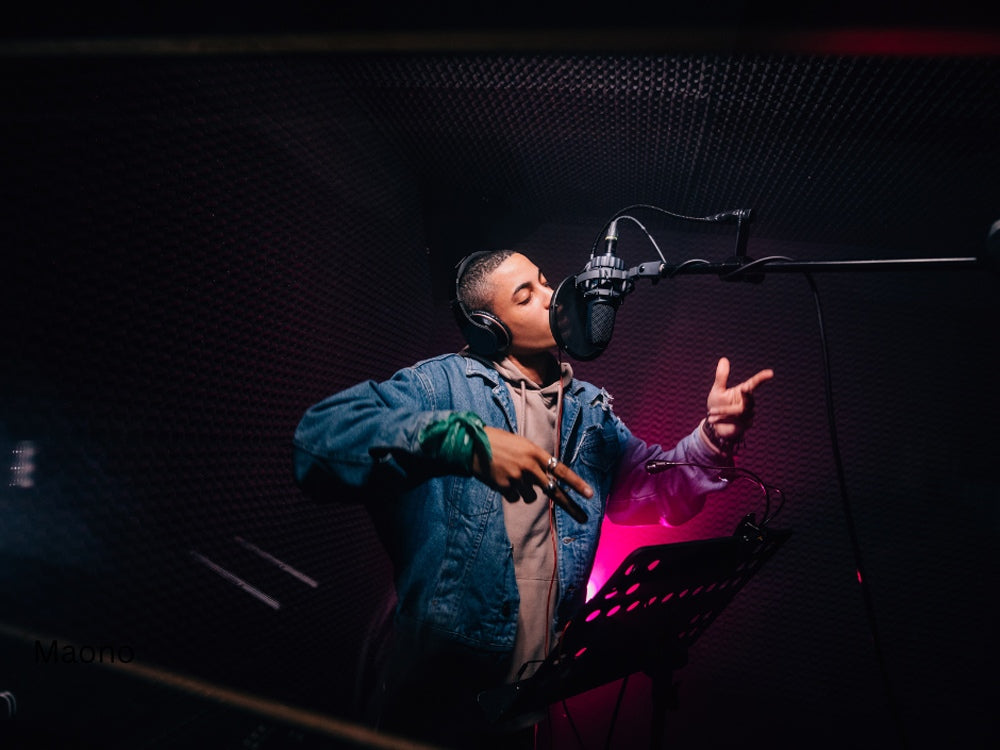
x=521 y=300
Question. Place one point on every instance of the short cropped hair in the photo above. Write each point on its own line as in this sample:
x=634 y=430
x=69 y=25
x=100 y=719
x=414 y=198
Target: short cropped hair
x=474 y=290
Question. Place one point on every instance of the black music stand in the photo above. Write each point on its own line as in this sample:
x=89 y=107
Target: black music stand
x=644 y=618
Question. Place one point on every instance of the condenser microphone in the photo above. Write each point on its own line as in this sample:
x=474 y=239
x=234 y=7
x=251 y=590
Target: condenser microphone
x=583 y=309
x=603 y=283
x=601 y=290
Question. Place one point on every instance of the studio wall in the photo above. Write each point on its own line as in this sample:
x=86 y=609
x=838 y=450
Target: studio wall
x=197 y=248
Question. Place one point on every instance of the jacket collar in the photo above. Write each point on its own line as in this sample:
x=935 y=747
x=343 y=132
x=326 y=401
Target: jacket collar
x=478 y=367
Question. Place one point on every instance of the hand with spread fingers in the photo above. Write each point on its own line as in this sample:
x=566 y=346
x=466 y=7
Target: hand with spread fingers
x=731 y=408
x=518 y=466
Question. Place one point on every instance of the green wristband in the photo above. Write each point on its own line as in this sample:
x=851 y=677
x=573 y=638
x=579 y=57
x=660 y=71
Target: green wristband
x=456 y=439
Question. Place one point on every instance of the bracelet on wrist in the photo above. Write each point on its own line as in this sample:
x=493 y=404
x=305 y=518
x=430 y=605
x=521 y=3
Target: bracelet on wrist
x=726 y=446
x=457 y=440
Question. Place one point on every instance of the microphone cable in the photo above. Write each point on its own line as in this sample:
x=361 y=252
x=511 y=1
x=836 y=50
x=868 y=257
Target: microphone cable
x=603 y=236
x=729 y=474
x=851 y=530
x=721 y=218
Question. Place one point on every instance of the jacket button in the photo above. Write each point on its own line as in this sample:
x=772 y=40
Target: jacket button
x=505 y=609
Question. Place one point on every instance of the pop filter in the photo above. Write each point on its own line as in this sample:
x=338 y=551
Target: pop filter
x=568 y=321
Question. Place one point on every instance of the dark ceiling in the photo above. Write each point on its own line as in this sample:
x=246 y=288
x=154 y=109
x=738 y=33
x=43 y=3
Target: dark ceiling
x=850 y=125
x=56 y=17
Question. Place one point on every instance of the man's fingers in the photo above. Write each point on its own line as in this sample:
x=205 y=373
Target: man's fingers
x=722 y=373
x=564 y=474
x=565 y=502
x=760 y=377
x=522 y=490
x=510 y=494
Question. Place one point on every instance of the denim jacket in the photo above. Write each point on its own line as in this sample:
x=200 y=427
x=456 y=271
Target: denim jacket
x=444 y=531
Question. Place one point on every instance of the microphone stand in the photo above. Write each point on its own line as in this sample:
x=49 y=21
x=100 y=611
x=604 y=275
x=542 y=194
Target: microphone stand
x=741 y=268
x=568 y=311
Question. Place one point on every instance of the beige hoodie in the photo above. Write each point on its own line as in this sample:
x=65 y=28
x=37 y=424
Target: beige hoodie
x=528 y=524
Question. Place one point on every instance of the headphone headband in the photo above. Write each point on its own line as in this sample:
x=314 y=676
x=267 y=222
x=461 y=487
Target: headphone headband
x=483 y=331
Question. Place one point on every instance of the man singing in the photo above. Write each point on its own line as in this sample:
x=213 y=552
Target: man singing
x=488 y=473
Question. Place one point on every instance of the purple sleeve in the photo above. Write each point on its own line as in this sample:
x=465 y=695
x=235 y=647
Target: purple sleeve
x=670 y=497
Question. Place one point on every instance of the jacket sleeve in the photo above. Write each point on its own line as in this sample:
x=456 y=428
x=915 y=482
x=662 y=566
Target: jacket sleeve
x=368 y=434
x=670 y=497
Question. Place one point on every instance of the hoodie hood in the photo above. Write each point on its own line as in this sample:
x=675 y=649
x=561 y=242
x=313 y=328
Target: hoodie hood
x=536 y=406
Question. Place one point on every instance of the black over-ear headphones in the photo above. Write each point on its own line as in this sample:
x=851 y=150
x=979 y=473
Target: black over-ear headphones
x=485 y=333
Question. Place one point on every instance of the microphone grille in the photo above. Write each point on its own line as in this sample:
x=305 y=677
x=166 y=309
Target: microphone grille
x=601 y=322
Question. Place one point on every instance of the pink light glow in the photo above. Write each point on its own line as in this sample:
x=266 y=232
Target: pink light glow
x=617 y=542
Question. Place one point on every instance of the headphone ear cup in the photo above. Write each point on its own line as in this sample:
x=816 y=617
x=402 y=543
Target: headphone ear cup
x=496 y=336
x=485 y=333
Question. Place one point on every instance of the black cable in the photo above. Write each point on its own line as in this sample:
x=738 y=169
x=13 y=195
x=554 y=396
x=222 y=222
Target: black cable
x=614 y=715
x=742 y=473
x=645 y=231
x=724 y=217
x=728 y=474
x=781 y=504
x=572 y=724
x=851 y=530
x=690 y=262
x=747 y=266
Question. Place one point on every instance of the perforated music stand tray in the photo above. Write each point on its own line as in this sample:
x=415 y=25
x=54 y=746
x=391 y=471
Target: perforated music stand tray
x=644 y=618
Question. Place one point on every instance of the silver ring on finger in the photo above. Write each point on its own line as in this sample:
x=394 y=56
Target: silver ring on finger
x=552 y=463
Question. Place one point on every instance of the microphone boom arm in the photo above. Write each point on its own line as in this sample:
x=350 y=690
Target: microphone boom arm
x=738 y=268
